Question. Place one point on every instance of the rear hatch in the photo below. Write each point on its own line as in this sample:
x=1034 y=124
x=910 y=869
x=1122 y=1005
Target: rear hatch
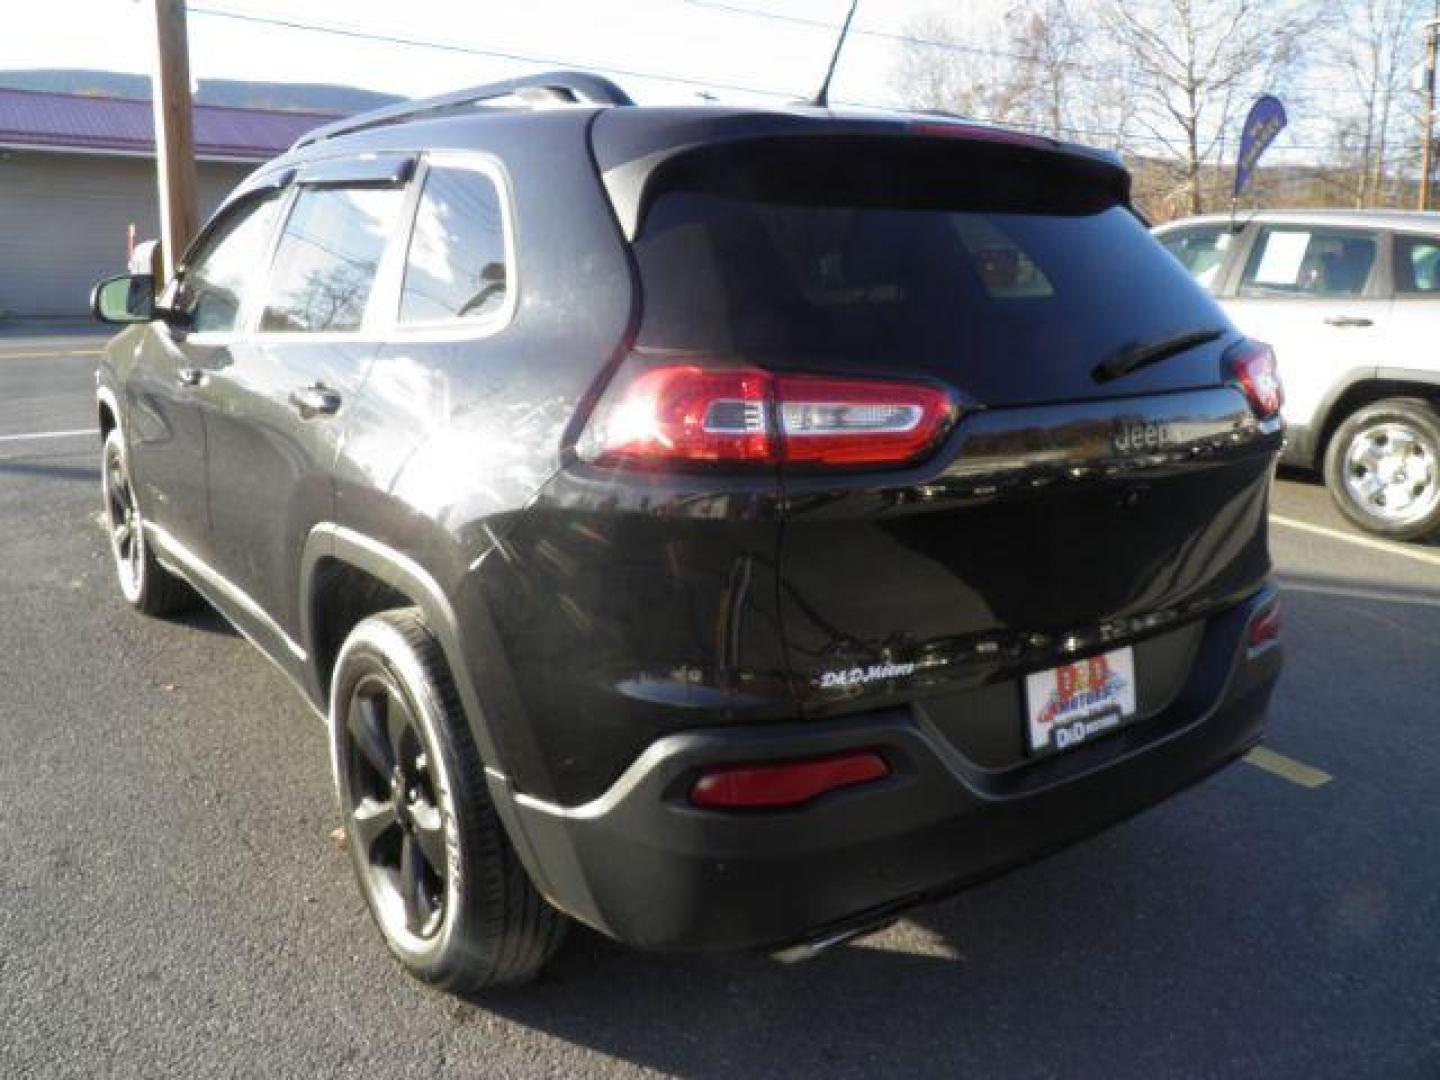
x=1061 y=512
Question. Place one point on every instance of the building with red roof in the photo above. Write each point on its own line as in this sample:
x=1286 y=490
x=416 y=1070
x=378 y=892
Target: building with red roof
x=77 y=172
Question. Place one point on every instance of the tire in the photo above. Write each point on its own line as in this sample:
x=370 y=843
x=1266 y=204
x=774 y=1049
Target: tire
x=437 y=871
x=146 y=585
x=1382 y=466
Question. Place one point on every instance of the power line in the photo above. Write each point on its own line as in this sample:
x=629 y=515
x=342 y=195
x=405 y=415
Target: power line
x=889 y=35
x=473 y=50
x=527 y=58
x=1099 y=70
x=1125 y=138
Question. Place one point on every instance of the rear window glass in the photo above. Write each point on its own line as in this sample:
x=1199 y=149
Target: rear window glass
x=455 y=268
x=1004 y=303
x=1201 y=251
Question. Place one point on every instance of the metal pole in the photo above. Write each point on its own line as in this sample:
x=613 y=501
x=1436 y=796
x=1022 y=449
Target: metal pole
x=174 y=134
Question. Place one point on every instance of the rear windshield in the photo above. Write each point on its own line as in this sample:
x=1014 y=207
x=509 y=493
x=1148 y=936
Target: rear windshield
x=852 y=274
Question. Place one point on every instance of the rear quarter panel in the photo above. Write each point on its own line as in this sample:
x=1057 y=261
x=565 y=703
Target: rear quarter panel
x=589 y=609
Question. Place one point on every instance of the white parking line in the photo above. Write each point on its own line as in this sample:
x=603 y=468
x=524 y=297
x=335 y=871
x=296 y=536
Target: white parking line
x=1419 y=554
x=57 y=354
x=48 y=435
x=1307 y=776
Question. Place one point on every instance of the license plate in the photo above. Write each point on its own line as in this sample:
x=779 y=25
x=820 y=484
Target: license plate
x=1077 y=702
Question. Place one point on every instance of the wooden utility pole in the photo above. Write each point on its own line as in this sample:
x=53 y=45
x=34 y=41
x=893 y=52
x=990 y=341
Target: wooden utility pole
x=174 y=130
x=1427 y=151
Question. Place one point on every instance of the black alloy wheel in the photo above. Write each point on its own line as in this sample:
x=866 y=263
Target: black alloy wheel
x=145 y=584
x=122 y=520
x=395 y=816
x=437 y=869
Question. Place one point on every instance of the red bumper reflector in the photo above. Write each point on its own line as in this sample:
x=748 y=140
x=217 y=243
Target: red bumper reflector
x=785 y=783
x=1266 y=628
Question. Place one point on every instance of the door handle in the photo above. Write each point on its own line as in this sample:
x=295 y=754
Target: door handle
x=1348 y=320
x=313 y=401
x=191 y=377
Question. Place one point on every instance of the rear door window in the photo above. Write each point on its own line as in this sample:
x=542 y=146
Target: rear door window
x=457 y=268
x=1417 y=266
x=327 y=259
x=1296 y=262
x=1201 y=250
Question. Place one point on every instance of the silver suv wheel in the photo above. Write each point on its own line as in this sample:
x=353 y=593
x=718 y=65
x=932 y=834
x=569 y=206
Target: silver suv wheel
x=1390 y=471
x=1383 y=468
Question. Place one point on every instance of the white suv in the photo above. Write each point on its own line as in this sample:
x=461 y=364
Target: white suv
x=1350 y=300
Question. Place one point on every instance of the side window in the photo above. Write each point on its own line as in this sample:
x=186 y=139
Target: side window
x=218 y=272
x=1417 y=266
x=326 y=261
x=1299 y=262
x=455 y=268
x=1201 y=251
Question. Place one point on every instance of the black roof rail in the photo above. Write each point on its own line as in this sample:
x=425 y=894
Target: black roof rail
x=560 y=87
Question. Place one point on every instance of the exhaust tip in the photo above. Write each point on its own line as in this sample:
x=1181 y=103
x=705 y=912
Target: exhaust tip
x=808 y=950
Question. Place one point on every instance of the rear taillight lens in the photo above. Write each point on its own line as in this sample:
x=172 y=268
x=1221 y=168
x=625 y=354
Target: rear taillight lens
x=660 y=414
x=1252 y=365
x=859 y=422
x=780 y=784
x=681 y=413
x=1266 y=628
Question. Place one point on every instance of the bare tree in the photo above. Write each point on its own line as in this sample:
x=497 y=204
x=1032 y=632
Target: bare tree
x=1376 y=46
x=1192 y=63
x=954 y=69
x=1049 y=40
x=1034 y=66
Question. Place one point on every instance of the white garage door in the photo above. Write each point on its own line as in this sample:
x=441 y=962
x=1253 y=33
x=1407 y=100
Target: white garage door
x=63 y=220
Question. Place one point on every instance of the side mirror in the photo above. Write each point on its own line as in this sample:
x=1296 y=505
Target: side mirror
x=124 y=299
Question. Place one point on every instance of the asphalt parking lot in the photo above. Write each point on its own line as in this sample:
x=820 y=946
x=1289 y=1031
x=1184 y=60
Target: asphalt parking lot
x=171 y=903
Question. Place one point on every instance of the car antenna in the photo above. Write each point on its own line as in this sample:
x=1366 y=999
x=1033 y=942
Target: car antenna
x=822 y=97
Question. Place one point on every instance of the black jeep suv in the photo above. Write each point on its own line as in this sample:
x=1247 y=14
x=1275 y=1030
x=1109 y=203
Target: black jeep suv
x=724 y=527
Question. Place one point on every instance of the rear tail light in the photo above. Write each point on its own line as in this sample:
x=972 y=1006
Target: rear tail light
x=1252 y=365
x=665 y=414
x=786 y=783
x=1266 y=628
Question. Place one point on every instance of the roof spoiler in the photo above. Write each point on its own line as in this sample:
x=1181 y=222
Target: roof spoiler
x=636 y=157
x=534 y=91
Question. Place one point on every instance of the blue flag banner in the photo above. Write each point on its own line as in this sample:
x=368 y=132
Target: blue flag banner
x=1266 y=120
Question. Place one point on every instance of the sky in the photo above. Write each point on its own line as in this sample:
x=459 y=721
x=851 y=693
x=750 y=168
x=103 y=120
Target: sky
x=740 y=50
x=660 y=51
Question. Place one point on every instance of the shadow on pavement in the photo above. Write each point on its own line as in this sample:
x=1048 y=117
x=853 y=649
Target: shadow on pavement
x=206 y=618
x=1249 y=927
x=87 y=473
x=1090 y=964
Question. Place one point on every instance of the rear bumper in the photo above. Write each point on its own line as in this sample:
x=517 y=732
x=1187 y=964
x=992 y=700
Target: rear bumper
x=643 y=865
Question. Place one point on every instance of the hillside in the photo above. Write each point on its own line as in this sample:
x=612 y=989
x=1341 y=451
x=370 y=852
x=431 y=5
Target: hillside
x=306 y=97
